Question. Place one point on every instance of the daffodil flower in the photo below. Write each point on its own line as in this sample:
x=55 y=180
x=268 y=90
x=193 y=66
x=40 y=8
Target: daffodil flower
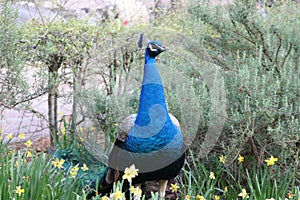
x=212 y=175
x=10 y=136
x=28 y=154
x=226 y=189
x=136 y=191
x=244 y=194
x=271 y=161
x=199 y=197
x=117 y=195
x=58 y=163
x=174 y=187
x=216 y=197
x=130 y=173
x=19 y=190
x=84 y=167
x=73 y=173
x=63 y=131
x=222 y=159
x=75 y=168
x=241 y=159
x=22 y=136
x=28 y=143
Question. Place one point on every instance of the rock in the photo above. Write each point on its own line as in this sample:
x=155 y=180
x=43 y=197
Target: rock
x=28 y=11
x=128 y=12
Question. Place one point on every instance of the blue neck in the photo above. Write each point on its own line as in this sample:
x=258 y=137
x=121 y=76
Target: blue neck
x=148 y=58
x=152 y=92
x=153 y=128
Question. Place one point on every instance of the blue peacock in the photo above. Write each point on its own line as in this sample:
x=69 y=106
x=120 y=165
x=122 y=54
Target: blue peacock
x=150 y=139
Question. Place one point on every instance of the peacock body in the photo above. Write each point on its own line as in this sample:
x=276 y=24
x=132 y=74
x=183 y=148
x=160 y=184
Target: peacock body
x=150 y=139
x=154 y=143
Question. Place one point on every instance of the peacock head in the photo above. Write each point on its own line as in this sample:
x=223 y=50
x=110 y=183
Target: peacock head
x=154 y=48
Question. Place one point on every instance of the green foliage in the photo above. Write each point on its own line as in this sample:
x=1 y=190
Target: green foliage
x=35 y=174
x=259 y=57
x=12 y=85
x=263 y=182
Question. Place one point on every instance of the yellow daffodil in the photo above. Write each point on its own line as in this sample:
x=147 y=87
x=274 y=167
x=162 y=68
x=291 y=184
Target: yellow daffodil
x=28 y=143
x=22 y=136
x=19 y=190
x=212 y=175
x=75 y=168
x=58 y=163
x=73 y=173
x=55 y=162
x=84 y=167
x=174 y=187
x=63 y=131
x=10 y=136
x=117 y=195
x=187 y=197
x=244 y=194
x=60 y=113
x=226 y=189
x=105 y=198
x=199 y=197
x=28 y=154
x=92 y=128
x=130 y=173
x=241 y=159
x=271 y=161
x=216 y=197
x=222 y=159
x=136 y=191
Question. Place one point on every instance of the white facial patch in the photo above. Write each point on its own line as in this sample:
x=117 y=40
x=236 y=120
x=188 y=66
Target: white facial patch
x=152 y=48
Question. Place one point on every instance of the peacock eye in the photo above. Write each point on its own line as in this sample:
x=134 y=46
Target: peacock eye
x=153 y=47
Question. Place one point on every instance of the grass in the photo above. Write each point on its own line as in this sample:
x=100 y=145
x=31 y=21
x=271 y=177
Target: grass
x=209 y=178
x=34 y=175
x=258 y=182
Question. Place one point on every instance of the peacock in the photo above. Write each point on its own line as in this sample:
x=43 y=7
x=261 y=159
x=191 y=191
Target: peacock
x=150 y=139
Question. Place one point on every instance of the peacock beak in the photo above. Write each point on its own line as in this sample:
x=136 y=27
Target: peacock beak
x=164 y=48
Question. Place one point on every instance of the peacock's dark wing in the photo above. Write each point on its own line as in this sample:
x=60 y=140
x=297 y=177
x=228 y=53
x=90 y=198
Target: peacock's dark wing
x=115 y=157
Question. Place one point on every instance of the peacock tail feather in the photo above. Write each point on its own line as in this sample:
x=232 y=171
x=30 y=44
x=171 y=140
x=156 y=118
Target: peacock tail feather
x=79 y=156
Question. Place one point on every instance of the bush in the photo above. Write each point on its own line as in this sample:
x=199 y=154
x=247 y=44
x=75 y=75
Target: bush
x=259 y=56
